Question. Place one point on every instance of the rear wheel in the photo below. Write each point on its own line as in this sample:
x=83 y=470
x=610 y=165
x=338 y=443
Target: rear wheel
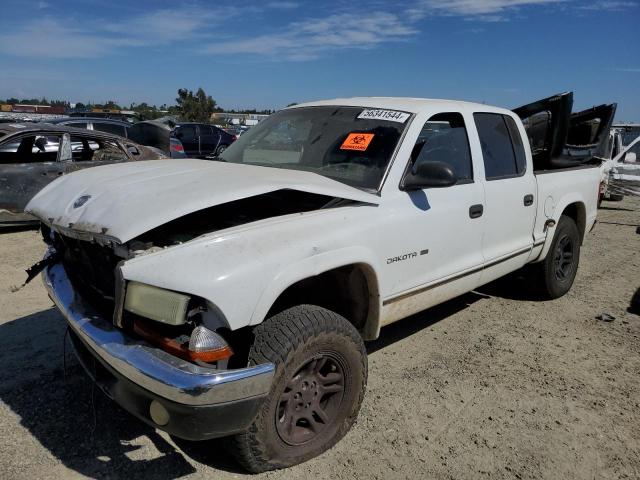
x=221 y=149
x=319 y=384
x=559 y=268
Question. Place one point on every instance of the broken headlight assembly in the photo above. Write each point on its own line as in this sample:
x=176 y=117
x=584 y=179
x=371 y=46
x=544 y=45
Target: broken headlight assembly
x=162 y=318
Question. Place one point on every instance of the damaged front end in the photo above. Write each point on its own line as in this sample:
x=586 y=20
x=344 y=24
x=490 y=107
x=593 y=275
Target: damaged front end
x=184 y=325
x=183 y=398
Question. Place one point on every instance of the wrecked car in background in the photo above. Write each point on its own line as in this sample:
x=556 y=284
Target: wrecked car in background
x=107 y=125
x=33 y=155
x=233 y=297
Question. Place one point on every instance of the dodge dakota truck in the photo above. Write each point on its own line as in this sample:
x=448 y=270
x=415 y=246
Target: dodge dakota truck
x=233 y=297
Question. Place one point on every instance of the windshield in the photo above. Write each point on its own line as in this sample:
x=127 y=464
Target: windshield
x=352 y=145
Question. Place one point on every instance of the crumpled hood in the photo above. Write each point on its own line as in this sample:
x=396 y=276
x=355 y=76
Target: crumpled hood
x=129 y=199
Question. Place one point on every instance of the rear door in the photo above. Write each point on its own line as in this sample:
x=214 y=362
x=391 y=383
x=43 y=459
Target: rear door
x=88 y=151
x=510 y=190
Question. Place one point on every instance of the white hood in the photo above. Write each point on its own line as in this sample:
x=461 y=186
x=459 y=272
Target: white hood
x=129 y=199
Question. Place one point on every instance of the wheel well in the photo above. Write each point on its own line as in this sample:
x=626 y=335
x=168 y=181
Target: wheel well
x=578 y=213
x=350 y=291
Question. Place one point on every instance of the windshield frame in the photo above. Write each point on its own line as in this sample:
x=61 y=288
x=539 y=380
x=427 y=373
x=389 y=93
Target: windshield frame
x=378 y=189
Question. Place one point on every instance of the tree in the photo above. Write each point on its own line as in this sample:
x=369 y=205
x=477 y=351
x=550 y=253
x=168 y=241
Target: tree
x=195 y=108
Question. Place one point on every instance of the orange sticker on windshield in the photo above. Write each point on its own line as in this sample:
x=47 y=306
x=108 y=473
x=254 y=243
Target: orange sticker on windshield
x=357 y=141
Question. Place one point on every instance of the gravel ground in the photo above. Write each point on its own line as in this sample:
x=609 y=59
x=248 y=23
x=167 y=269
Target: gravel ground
x=491 y=385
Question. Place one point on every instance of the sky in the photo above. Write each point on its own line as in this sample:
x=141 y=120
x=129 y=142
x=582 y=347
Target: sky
x=267 y=54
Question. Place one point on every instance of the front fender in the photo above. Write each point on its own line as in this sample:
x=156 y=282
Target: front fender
x=242 y=272
x=309 y=267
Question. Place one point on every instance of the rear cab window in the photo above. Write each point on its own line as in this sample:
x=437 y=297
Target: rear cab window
x=502 y=148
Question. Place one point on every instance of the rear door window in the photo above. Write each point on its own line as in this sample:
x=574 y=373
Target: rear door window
x=186 y=133
x=205 y=130
x=87 y=149
x=498 y=151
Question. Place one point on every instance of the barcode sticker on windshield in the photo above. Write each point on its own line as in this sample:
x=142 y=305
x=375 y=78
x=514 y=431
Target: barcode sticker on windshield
x=389 y=115
x=357 y=141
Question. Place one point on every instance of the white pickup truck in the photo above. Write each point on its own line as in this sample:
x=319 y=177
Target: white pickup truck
x=233 y=297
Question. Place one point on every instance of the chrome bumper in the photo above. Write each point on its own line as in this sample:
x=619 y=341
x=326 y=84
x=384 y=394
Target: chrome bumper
x=158 y=372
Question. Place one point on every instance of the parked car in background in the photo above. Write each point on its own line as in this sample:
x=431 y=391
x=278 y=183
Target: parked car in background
x=107 y=125
x=158 y=134
x=201 y=140
x=236 y=130
x=33 y=155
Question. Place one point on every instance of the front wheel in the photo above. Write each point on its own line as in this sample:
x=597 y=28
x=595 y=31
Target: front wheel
x=559 y=268
x=317 y=390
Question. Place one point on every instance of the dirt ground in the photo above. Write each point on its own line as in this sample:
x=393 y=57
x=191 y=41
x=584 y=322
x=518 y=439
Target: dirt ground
x=491 y=385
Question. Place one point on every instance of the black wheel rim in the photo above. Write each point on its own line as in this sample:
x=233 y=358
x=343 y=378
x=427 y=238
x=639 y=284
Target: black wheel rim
x=311 y=400
x=563 y=258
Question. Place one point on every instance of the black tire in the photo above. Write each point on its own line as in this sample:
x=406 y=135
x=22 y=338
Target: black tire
x=221 y=149
x=616 y=197
x=293 y=340
x=558 y=270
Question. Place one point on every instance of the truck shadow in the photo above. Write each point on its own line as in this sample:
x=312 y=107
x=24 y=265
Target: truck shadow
x=405 y=328
x=519 y=285
x=76 y=422
x=58 y=404
x=18 y=228
x=634 y=304
x=515 y=286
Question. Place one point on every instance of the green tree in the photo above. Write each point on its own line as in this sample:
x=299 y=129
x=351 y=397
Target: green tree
x=194 y=108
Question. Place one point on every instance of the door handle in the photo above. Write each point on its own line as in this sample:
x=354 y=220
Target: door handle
x=528 y=200
x=475 y=211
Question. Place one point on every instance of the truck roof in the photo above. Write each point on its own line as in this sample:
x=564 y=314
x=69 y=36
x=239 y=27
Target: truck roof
x=406 y=104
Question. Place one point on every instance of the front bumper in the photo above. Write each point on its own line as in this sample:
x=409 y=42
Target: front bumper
x=202 y=403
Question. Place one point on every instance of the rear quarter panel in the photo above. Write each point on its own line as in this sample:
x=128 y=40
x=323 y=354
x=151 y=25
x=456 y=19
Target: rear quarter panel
x=559 y=189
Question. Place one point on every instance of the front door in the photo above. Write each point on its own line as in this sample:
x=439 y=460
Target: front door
x=27 y=164
x=188 y=135
x=436 y=235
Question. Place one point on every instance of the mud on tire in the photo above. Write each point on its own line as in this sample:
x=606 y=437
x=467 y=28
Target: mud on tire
x=317 y=390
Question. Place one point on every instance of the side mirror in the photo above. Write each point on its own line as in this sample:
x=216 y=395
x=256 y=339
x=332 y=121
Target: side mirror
x=630 y=157
x=429 y=175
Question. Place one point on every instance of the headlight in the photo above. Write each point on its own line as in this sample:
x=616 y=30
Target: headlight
x=156 y=303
